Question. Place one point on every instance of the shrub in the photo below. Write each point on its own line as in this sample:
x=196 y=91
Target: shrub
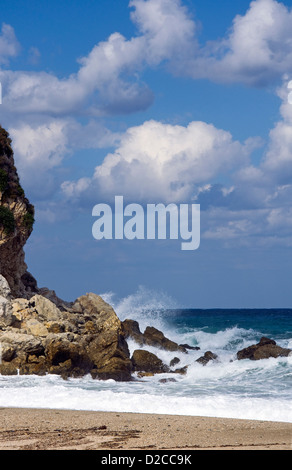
x=28 y=220
x=7 y=220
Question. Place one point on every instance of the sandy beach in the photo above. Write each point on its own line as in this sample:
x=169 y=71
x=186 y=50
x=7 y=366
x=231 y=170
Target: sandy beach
x=43 y=429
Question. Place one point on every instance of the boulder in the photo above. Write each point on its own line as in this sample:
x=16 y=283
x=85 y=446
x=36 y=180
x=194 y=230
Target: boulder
x=5 y=290
x=207 y=357
x=154 y=337
x=192 y=348
x=174 y=362
x=106 y=347
x=86 y=338
x=132 y=330
x=151 y=337
x=265 y=349
x=5 y=303
x=145 y=361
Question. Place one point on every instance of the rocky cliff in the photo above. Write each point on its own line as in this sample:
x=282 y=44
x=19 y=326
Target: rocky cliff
x=16 y=223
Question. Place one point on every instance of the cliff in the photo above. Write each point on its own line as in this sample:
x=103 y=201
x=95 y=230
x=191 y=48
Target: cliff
x=16 y=223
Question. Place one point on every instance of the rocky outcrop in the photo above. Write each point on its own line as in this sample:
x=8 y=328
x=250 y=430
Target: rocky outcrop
x=86 y=338
x=207 y=357
x=145 y=361
x=132 y=330
x=265 y=349
x=154 y=337
x=151 y=337
x=16 y=222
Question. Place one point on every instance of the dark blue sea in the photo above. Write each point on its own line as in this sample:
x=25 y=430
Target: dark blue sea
x=227 y=387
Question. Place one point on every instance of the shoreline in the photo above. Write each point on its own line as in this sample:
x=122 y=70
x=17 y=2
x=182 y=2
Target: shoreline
x=53 y=429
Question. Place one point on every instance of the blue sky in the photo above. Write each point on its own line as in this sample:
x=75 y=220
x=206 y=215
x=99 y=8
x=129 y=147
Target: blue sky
x=139 y=98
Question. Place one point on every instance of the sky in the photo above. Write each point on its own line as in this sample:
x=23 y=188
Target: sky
x=158 y=101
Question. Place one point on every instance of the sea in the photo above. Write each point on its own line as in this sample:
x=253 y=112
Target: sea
x=228 y=388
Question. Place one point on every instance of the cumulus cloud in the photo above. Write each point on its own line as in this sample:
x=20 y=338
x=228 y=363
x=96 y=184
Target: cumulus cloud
x=108 y=79
x=157 y=161
x=257 y=50
x=41 y=146
x=259 y=203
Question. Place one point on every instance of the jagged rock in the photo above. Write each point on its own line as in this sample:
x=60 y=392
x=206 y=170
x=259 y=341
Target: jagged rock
x=88 y=338
x=145 y=361
x=5 y=304
x=6 y=317
x=52 y=296
x=192 y=348
x=265 y=349
x=150 y=337
x=174 y=361
x=5 y=290
x=107 y=348
x=208 y=356
x=16 y=221
x=132 y=330
x=154 y=337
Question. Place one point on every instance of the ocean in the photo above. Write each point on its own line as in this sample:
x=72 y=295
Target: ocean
x=259 y=390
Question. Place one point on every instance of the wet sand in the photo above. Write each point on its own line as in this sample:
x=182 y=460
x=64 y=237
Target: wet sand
x=43 y=429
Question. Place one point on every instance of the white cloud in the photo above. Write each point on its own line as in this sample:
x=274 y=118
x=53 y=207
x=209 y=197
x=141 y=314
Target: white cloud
x=41 y=146
x=257 y=50
x=9 y=45
x=108 y=78
x=166 y=27
x=157 y=161
x=162 y=161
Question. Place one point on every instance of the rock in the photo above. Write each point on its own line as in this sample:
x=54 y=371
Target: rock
x=36 y=328
x=181 y=370
x=5 y=290
x=132 y=330
x=52 y=296
x=65 y=357
x=107 y=349
x=150 y=337
x=174 y=361
x=16 y=221
x=145 y=361
x=23 y=344
x=5 y=303
x=87 y=338
x=169 y=379
x=193 y=348
x=208 y=356
x=265 y=349
x=154 y=337
x=6 y=317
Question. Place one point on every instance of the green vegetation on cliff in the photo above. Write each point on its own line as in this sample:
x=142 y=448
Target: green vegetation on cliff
x=7 y=220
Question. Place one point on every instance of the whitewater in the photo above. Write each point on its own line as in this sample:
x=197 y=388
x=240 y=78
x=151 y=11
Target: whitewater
x=260 y=390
